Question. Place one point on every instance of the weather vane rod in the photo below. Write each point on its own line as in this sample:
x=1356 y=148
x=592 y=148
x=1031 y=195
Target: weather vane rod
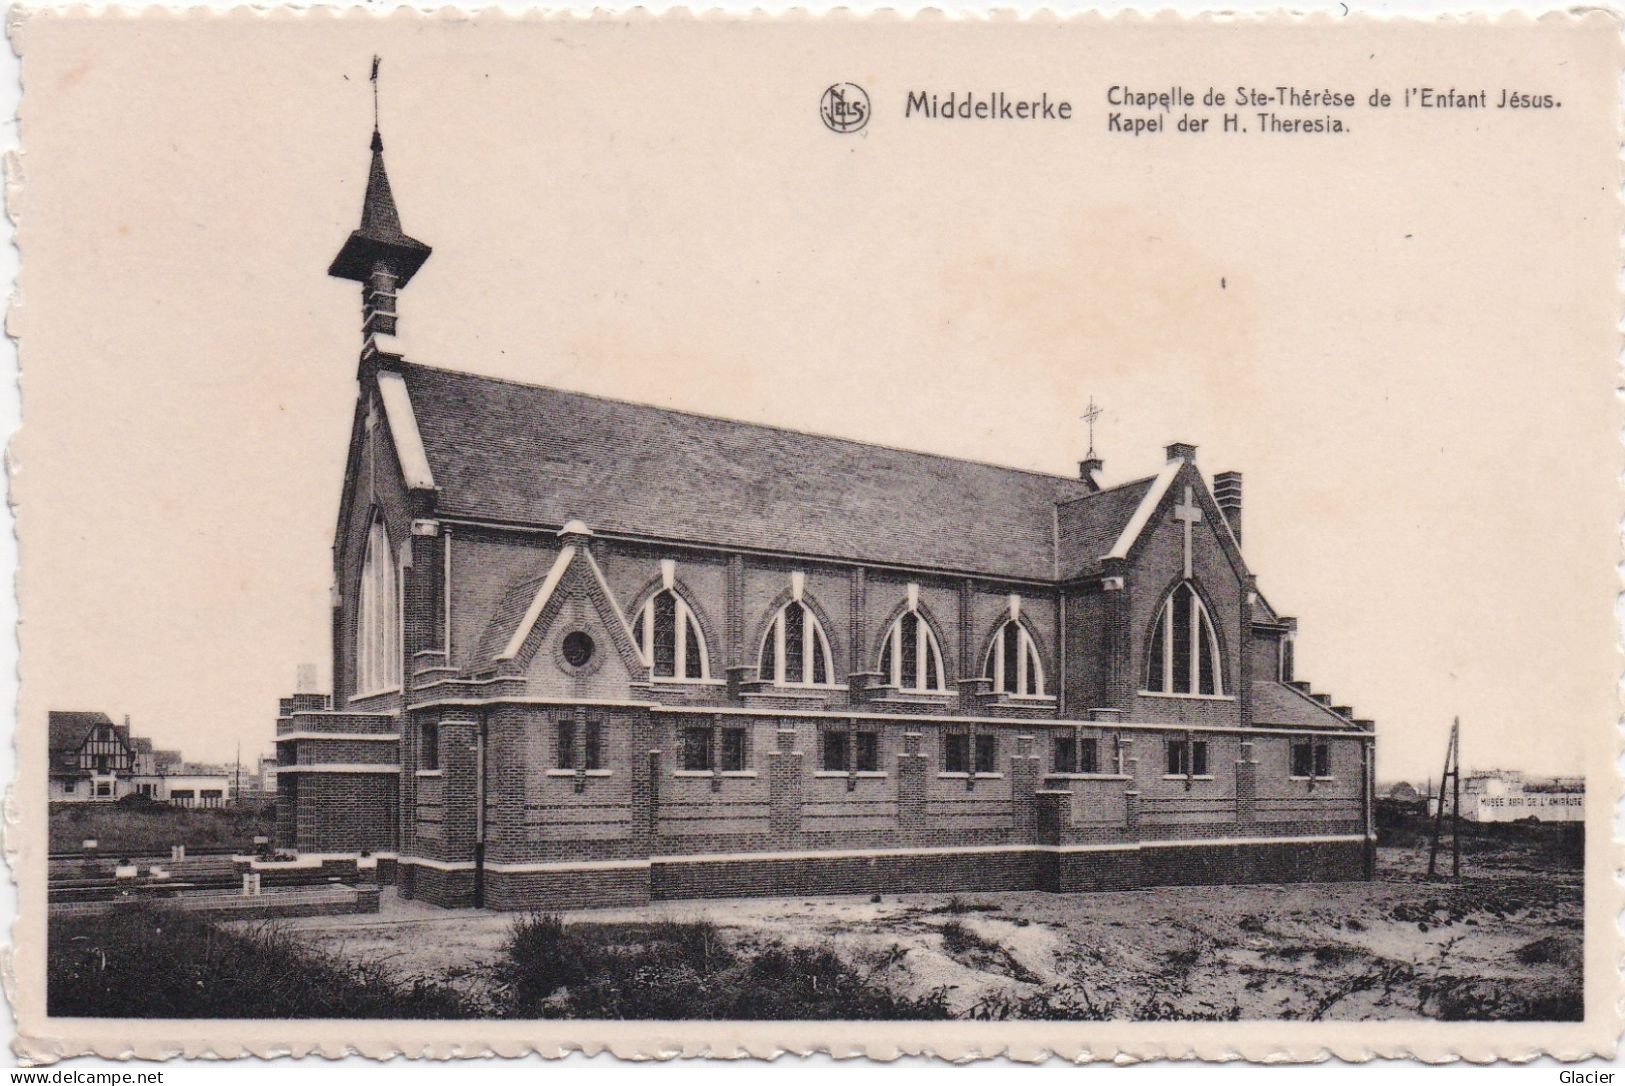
x=1090 y=416
x=374 y=80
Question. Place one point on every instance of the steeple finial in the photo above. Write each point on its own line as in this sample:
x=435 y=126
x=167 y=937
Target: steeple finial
x=379 y=254
x=1089 y=467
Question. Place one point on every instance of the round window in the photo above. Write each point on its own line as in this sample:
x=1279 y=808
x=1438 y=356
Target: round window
x=577 y=648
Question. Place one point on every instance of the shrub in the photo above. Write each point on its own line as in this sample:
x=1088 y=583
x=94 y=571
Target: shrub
x=677 y=971
x=146 y=962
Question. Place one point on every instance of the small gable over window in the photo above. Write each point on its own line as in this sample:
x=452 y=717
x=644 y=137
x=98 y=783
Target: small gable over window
x=910 y=658
x=795 y=651
x=1183 y=655
x=671 y=638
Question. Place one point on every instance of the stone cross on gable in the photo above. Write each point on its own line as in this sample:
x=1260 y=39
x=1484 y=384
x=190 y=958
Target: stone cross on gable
x=1189 y=513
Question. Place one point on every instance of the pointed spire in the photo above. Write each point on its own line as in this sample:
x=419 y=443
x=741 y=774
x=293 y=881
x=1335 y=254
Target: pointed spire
x=379 y=255
x=379 y=217
x=380 y=238
x=380 y=244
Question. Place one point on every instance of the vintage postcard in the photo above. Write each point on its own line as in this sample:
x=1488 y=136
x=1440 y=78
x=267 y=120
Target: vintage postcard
x=1047 y=536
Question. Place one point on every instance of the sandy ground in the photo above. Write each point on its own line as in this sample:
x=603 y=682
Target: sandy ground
x=1503 y=942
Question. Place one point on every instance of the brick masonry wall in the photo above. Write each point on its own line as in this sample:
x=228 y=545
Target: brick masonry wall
x=623 y=826
x=341 y=812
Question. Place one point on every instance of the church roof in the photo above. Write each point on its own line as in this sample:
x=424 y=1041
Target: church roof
x=1090 y=527
x=505 y=451
x=1278 y=703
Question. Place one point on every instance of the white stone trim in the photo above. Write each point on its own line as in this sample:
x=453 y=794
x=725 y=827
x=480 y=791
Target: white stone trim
x=338 y=767
x=894 y=718
x=876 y=853
x=567 y=865
x=1142 y=515
x=1185 y=697
x=403 y=427
x=439 y=865
x=534 y=612
x=359 y=737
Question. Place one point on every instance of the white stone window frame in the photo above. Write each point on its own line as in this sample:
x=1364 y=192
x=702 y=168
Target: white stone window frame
x=813 y=639
x=380 y=615
x=1026 y=650
x=1165 y=619
x=684 y=619
x=927 y=657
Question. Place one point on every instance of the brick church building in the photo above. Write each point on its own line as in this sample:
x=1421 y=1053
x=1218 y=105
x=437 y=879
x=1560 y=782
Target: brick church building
x=595 y=652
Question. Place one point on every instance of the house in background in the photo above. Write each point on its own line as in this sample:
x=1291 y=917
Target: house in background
x=1507 y=795
x=93 y=760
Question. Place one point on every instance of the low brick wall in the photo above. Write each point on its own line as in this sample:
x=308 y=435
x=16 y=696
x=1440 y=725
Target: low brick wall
x=910 y=873
x=520 y=890
x=1073 y=871
x=448 y=889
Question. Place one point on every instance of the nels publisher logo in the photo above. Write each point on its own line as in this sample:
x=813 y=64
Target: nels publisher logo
x=844 y=107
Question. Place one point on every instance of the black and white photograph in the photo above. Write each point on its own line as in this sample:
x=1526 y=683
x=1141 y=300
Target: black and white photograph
x=812 y=533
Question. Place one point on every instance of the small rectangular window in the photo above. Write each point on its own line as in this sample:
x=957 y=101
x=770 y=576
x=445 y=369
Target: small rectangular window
x=1199 y=758
x=868 y=760
x=733 y=750
x=956 y=752
x=1089 y=756
x=1302 y=760
x=696 y=749
x=1286 y=659
x=1064 y=756
x=564 y=747
x=1177 y=764
x=834 y=759
x=1323 y=760
x=987 y=753
x=593 y=747
x=429 y=745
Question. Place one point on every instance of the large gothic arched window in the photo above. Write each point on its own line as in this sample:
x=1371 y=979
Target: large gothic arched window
x=909 y=657
x=378 y=617
x=671 y=638
x=795 y=651
x=1013 y=663
x=1183 y=656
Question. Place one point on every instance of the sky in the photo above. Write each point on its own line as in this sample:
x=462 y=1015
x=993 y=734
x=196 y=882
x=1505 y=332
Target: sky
x=1400 y=337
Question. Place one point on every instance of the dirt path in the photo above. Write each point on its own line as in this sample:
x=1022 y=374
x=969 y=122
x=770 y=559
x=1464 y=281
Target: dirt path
x=1505 y=942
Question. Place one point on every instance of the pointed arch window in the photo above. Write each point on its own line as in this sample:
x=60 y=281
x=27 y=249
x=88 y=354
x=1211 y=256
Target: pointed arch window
x=910 y=658
x=1183 y=657
x=671 y=638
x=1013 y=663
x=795 y=651
x=378 y=617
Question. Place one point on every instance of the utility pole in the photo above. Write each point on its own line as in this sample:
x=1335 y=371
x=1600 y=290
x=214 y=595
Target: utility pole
x=1452 y=774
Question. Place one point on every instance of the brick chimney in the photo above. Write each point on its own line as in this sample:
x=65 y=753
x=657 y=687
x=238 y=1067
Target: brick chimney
x=1089 y=471
x=1181 y=451
x=1227 y=495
